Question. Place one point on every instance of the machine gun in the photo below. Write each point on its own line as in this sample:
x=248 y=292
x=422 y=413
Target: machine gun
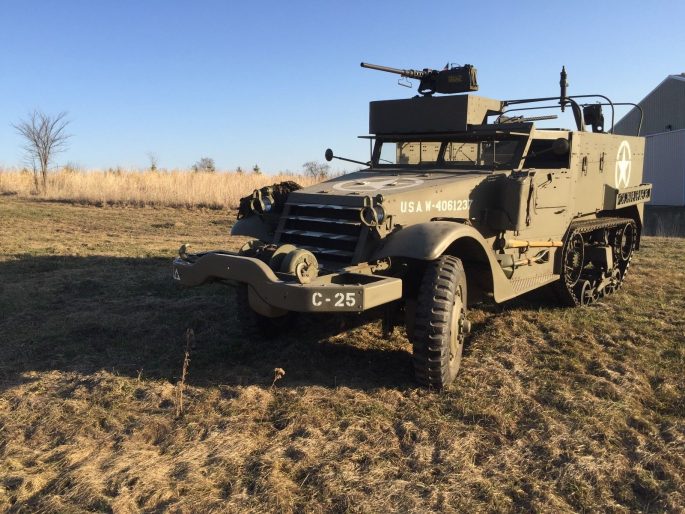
x=450 y=80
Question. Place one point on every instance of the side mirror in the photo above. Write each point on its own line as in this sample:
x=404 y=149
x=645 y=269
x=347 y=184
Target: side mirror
x=329 y=157
x=561 y=146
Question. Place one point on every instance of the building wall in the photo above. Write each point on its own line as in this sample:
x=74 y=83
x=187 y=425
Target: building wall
x=665 y=167
x=664 y=221
x=662 y=107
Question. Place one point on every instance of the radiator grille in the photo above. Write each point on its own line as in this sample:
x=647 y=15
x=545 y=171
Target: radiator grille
x=330 y=232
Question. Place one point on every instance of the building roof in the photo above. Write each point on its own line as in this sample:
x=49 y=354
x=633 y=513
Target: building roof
x=679 y=77
x=663 y=108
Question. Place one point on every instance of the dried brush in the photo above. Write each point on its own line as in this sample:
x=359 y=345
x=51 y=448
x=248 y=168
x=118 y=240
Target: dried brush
x=180 y=387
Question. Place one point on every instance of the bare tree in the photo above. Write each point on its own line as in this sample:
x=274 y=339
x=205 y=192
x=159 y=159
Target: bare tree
x=205 y=164
x=152 y=157
x=316 y=170
x=44 y=136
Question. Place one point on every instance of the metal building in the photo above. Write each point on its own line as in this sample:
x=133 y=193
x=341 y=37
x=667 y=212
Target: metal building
x=664 y=109
x=663 y=125
x=665 y=167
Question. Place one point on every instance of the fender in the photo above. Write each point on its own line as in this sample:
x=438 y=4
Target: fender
x=428 y=241
x=252 y=226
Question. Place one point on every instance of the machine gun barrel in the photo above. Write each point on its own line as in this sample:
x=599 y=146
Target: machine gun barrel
x=412 y=74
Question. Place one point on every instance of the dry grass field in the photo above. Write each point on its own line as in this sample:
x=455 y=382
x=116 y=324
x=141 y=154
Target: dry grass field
x=555 y=410
x=143 y=188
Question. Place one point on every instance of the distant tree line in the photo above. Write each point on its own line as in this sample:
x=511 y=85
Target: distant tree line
x=205 y=164
x=46 y=135
x=316 y=170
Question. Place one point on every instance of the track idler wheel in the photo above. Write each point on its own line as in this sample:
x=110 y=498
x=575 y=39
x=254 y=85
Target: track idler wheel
x=625 y=242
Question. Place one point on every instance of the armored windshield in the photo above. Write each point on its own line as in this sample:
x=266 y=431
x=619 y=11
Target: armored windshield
x=489 y=152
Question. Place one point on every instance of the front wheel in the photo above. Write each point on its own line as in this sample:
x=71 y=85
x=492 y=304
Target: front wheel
x=255 y=325
x=440 y=324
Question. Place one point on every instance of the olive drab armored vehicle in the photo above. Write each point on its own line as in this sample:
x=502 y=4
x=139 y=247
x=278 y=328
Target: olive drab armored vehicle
x=463 y=199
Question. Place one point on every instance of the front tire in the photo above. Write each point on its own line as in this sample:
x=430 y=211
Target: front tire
x=255 y=325
x=440 y=325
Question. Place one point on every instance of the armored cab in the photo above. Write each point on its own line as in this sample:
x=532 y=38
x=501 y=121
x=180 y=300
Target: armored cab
x=460 y=202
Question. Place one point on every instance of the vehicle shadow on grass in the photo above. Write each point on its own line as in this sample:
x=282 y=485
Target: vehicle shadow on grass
x=127 y=316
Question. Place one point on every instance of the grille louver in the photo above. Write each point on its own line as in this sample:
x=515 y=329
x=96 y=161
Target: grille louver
x=331 y=232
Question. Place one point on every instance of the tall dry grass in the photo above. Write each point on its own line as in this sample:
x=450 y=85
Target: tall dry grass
x=142 y=188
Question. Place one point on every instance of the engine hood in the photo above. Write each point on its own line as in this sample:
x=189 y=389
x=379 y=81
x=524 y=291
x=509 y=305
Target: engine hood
x=410 y=196
x=390 y=182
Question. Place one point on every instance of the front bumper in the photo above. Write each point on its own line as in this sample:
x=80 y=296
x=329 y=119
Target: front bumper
x=338 y=292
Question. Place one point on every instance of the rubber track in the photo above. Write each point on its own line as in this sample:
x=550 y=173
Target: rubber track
x=584 y=227
x=431 y=329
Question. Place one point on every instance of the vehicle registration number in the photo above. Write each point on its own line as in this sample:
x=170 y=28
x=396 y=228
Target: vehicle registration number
x=348 y=300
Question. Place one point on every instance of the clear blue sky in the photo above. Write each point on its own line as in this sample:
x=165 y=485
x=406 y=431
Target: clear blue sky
x=275 y=83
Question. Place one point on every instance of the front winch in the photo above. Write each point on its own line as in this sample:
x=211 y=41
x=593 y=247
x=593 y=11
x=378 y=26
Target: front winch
x=287 y=258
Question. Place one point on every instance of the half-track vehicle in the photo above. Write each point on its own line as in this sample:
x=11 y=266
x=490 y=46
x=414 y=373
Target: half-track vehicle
x=463 y=199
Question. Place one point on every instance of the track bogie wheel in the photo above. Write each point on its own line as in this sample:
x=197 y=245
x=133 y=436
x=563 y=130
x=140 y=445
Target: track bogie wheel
x=615 y=283
x=588 y=294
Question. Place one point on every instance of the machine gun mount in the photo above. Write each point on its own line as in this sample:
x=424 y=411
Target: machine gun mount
x=449 y=80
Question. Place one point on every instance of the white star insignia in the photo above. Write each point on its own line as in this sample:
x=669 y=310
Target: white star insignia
x=623 y=164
